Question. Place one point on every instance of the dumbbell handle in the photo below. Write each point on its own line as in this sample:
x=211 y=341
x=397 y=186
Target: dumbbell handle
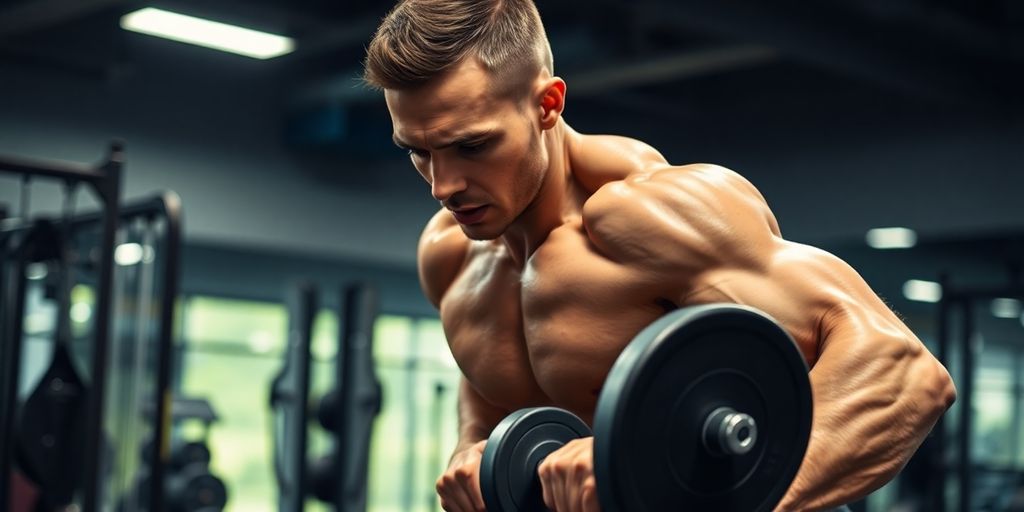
x=728 y=432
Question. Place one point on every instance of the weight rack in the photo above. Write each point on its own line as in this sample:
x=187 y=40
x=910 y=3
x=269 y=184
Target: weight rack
x=105 y=180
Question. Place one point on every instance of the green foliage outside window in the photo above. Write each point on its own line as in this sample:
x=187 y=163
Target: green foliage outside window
x=233 y=349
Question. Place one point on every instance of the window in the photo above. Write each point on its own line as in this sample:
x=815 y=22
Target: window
x=233 y=348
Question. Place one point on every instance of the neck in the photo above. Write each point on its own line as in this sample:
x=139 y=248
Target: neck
x=555 y=202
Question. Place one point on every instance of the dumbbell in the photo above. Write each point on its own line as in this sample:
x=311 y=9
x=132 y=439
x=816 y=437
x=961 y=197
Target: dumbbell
x=514 y=450
x=188 y=483
x=193 y=489
x=189 y=453
x=708 y=408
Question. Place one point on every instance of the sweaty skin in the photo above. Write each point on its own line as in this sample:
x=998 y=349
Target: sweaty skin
x=585 y=240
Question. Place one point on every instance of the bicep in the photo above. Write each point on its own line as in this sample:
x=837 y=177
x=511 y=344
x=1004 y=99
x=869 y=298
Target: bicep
x=821 y=301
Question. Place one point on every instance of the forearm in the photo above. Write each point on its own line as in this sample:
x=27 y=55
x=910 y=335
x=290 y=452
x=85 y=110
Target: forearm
x=869 y=419
x=477 y=416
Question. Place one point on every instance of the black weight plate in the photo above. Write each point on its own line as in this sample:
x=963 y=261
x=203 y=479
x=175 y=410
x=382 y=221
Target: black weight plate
x=649 y=454
x=508 y=469
x=194 y=488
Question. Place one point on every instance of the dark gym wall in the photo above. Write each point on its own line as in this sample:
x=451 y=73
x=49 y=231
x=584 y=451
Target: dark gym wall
x=834 y=156
x=215 y=138
x=265 y=275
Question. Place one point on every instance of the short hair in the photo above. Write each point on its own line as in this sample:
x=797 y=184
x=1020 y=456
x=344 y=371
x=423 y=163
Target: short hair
x=420 y=39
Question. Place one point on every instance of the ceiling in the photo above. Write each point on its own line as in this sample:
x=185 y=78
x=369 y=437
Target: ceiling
x=630 y=54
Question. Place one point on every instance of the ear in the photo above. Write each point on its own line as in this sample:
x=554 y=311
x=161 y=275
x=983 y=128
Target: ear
x=551 y=101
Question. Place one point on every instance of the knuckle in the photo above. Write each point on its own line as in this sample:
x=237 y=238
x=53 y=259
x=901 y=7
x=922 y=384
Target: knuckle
x=463 y=474
x=446 y=482
x=589 y=487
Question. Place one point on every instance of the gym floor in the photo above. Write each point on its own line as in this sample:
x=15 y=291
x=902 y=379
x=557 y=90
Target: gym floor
x=847 y=117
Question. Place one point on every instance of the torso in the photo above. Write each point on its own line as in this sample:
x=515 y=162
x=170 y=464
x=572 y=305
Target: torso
x=547 y=331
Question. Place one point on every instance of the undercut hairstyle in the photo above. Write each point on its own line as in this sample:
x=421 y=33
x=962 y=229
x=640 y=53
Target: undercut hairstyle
x=420 y=39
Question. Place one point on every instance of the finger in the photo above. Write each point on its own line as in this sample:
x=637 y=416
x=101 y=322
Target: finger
x=580 y=472
x=476 y=495
x=588 y=495
x=453 y=497
x=461 y=502
x=560 y=485
x=469 y=488
x=544 y=472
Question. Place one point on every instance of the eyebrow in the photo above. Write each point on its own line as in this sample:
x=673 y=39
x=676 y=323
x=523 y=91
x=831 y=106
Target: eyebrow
x=461 y=138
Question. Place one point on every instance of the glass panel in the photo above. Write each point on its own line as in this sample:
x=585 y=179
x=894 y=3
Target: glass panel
x=993 y=407
x=391 y=338
x=239 y=442
x=388 y=475
x=432 y=346
x=417 y=428
x=260 y=326
x=413 y=435
x=325 y=335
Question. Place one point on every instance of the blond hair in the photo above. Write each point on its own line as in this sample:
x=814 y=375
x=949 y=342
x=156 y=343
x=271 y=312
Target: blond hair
x=420 y=39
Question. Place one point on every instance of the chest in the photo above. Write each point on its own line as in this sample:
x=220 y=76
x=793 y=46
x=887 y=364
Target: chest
x=550 y=331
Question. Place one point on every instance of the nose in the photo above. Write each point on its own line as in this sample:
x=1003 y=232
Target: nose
x=445 y=183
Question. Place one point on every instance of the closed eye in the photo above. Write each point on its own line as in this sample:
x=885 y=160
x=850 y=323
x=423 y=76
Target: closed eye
x=473 y=148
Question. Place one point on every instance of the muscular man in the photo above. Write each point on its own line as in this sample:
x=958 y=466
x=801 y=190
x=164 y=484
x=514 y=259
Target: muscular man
x=552 y=249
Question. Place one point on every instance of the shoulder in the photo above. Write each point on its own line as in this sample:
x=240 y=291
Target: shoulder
x=440 y=255
x=600 y=159
x=698 y=214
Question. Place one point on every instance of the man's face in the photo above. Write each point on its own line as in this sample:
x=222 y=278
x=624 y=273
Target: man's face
x=481 y=153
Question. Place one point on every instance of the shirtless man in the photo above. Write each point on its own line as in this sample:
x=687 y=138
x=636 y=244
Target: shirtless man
x=554 y=248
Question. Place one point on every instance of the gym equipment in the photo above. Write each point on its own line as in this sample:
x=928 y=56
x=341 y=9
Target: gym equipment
x=708 y=408
x=190 y=453
x=192 y=488
x=514 y=450
x=51 y=424
x=145 y=289
x=949 y=451
x=188 y=484
x=195 y=489
x=350 y=409
x=289 y=396
x=105 y=181
x=347 y=411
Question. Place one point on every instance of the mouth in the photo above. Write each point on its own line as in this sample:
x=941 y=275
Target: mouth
x=468 y=216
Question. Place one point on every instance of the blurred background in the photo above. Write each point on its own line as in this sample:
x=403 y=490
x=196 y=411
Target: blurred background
x=850 y=116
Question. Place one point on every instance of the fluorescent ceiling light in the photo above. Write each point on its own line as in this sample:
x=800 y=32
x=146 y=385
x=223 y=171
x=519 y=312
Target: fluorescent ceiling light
x=1005 y=308
x=891 y=238
x=210 y=34
x=922 y=291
